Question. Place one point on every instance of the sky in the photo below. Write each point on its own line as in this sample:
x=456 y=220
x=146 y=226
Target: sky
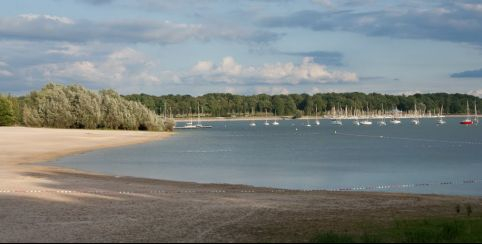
x=242 y=47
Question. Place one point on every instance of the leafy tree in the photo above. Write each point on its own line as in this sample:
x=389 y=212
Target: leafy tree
x=7 y=113
x=59 y=106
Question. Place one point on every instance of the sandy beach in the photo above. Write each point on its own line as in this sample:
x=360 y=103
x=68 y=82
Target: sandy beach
x=49 y=204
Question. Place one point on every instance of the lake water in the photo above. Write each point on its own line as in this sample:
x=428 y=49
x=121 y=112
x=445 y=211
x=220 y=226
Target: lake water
x=404 y=158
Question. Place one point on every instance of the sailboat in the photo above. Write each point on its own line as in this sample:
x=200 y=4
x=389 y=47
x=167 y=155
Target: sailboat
x=356 y=122
x=199 y=124
x=467 y=121
x=476 y=117
x=366 y=121
x=317 y=122
x=266 y=123
x=415 y=120
x=190 y=124
x=441 y=121
x=308 y=122
x=252 y=124
x=335 y=120
x=275 y=122
x=382 y=122
x=395 y=120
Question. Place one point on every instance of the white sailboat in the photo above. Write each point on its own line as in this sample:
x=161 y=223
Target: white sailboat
x=190 y=124
x=395 y=120
x=441 y=121
x=317 y=122
x=275 y=122
x=382 y=121
x=252 y=124
x=336 y=120
x=366 y=121
x=476 y=117
x=308 y=122
x=415 y=119
x=356 y=122
x=199 y=124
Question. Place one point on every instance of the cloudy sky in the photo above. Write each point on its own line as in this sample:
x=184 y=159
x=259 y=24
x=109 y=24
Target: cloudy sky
x=242 y=47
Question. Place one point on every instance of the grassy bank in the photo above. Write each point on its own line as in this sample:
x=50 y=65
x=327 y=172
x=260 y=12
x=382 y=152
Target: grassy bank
x=439 y=230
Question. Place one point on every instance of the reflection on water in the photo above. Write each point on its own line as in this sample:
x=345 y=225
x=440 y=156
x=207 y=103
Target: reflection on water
x=425 y=159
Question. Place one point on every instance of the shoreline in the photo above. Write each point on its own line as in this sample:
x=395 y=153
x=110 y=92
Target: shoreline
x=56 y=204
x=282 y=118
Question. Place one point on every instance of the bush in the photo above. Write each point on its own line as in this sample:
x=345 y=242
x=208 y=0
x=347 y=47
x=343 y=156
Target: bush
x=58 y=106
x=298 y=115
x=7 y=113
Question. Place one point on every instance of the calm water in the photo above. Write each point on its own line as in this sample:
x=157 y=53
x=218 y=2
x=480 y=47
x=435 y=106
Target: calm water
x=292 y=156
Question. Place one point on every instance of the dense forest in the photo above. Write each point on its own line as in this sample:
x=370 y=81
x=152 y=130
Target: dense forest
x=58 y=106
x=221 y=104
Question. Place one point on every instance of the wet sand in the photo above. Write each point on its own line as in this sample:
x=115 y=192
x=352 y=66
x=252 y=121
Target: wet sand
x=49 y=204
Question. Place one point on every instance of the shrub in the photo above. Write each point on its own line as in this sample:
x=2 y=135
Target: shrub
x=60 y=106
x=7 y=113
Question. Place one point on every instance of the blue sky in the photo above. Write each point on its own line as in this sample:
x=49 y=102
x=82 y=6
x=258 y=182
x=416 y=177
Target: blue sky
x=242 y=47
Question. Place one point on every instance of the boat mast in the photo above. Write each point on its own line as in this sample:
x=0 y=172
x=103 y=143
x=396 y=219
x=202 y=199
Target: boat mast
x=198 y=115
x=475 y=113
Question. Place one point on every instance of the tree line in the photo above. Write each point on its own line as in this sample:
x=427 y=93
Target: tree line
x=58 y=106
x=225 y=104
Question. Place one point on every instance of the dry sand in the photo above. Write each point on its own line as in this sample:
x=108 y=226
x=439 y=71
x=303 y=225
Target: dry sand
x=61 y=205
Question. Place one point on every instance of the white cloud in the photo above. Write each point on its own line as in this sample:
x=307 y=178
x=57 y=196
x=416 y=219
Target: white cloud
x=477 y=7
x=36 y=17
x=477 y=93
x=122 y=67
x=68 y=50
x=408 y=93
x=203 y=67
x=34 y=27
x=4 y=72
x=271 y=90
x=229 y=71
x=324 y=3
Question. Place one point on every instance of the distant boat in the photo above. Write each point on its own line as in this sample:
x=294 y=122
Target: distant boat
x=266 y=123
x=252 y=124
x=366 y=121
x=476 y=117
x=336 y=122
x=467 y=121
x=190 y=124
x=308 y=123
x=275 y=122
x=317 y=122
x=415 y=120
x=382 y=122
x=356 y=122
x=441 y=121
x=199 y=124
x=395 y=120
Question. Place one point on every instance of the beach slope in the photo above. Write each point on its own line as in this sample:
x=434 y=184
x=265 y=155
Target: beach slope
x=49 y=204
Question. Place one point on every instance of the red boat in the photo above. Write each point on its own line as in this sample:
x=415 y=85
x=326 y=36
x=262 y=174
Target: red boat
x=467 y=121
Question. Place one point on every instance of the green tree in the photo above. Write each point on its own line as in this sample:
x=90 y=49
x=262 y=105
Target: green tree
x=7 y=113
